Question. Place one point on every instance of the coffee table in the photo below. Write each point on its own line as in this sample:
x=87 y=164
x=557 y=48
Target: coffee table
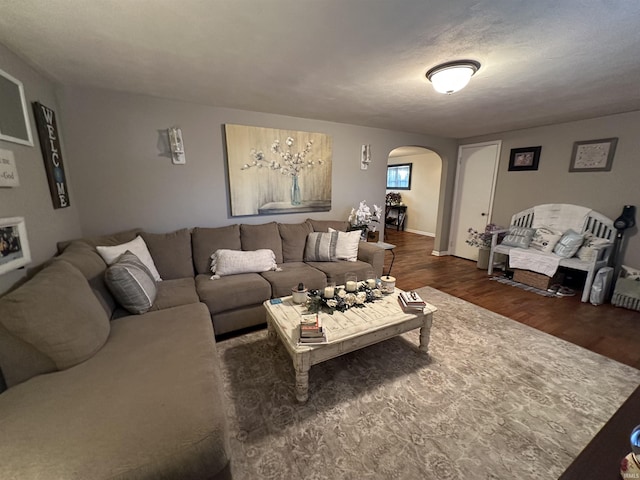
x=346 y=332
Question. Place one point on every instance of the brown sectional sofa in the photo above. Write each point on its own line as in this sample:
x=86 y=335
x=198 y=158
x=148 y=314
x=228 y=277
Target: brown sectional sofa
x=95 y=392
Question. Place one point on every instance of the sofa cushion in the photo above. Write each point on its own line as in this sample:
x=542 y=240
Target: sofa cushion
x=291 y=275
x=52 y=322
x=519 y=237
x=544 y=239
x=232 y=262
x=137 y=246
x=108 y=240
x=325 y=225
x=347 y=245
x=171 y=253
x=321 y=247
x=205 y=241
x=233 y=291
x=149 y=404
x=90 y=263
x=131 y=283
x=294 y=239
x=176 y=292
x=256 y=237
x=569 y=244
x=335 y=271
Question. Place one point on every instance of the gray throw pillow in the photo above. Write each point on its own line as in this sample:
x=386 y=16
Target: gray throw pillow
x=519 y=237
x=569 y=244
x=321 y=247
x=131 y=283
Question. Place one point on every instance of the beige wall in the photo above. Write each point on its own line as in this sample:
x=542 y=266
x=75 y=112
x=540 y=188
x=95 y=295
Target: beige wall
x=31 y=200
x=422 y=200
x=123 y=179
x=605 y=192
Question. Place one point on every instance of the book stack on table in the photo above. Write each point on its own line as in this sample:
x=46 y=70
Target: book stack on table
x=411 y=301
x=311 y=331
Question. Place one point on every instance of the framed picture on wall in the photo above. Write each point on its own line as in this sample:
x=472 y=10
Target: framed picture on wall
x=593 y=155
x=14 y=117
x=14 y=247
x=524 y=158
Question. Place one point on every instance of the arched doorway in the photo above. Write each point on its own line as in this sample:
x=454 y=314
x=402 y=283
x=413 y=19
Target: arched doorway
x=423 y=197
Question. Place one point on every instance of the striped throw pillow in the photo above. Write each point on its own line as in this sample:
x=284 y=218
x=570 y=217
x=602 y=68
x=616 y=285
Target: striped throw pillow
x=131 y=283
x=321 y=247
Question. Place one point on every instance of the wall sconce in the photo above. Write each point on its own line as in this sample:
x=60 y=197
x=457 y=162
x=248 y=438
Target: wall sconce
x=365 y=157
x=176 y=145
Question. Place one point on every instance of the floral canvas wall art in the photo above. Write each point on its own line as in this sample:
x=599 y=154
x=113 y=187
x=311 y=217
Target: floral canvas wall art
x=274 y=171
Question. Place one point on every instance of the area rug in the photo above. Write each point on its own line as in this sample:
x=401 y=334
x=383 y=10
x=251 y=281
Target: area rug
x=495 y=399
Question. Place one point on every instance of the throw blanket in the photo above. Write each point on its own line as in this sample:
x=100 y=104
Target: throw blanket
x=545 y=263
x=560 y=217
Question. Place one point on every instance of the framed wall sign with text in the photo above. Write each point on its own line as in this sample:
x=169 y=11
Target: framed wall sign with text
x=52 y=154
x=593 y=155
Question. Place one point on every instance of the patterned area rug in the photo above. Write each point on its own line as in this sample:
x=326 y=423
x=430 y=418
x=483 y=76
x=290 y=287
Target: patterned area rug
x=495 y=400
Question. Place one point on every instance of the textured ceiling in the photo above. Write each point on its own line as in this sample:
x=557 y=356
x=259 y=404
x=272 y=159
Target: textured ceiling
x=353 y=61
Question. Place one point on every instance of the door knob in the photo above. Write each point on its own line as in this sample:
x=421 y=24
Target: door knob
x=483 y=214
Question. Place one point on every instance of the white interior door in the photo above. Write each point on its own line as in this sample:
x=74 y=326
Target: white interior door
x=473 y=199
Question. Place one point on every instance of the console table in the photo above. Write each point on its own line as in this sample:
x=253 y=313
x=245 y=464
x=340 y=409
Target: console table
x=401 y=213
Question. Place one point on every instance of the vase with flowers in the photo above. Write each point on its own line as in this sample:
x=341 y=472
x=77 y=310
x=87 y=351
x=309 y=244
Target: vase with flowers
x=363 y=219
x=482 y=240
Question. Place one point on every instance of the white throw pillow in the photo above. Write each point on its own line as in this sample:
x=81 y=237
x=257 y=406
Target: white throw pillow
x=136 y=246
x=587 y=252
x=232 y=262
x=545 y=239
x=347 y=245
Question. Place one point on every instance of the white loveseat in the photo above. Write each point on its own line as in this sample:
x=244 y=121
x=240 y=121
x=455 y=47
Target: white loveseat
x=597 y=230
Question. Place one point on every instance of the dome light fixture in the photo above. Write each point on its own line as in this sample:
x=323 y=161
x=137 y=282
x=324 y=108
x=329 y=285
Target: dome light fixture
x=451 y=77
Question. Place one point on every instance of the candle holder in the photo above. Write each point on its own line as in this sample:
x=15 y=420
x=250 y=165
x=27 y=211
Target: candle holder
x=350 y=282
x=330 y=290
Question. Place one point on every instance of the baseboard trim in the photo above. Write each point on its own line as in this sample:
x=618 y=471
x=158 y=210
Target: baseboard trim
x=420 y=232
x=436 y=253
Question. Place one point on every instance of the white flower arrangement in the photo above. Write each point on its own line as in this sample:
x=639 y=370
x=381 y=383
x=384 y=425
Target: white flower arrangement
x=363 y=217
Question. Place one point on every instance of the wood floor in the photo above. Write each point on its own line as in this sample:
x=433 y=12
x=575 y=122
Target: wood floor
x=605 y=329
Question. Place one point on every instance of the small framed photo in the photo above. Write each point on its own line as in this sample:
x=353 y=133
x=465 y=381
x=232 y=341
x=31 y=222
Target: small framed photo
x=14 y=247
x=524 y=158
x=593 y=155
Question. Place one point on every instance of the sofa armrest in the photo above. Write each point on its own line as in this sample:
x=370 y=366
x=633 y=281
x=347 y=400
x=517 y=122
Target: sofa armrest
x=372 y=254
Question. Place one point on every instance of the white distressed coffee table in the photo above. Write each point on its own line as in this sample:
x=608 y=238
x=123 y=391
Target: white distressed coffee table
x=346 y=332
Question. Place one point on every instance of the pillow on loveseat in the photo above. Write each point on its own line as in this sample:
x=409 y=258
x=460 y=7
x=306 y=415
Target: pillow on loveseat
x=545 y=239
x=519 y=237
x=588 y=252
x=321 y=247
x=569 y=244
x=131 y=283
x=51 y=323
x=232 y=262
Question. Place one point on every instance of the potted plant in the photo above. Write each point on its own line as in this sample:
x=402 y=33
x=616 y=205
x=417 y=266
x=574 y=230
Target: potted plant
x=482 y=240
x=362 y=219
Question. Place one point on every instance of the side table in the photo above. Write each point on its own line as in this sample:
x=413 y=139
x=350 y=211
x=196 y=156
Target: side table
x=390 y=247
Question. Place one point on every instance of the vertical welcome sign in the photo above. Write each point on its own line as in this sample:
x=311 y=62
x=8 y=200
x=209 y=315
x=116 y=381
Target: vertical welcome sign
x=50 y=144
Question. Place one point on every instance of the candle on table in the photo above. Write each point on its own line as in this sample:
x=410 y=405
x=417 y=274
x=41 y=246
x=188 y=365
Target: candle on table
x=371 y=282
x=329 y=292
x=351 y=286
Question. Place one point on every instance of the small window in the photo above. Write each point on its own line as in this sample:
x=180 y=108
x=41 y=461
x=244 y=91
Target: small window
x=399 y=176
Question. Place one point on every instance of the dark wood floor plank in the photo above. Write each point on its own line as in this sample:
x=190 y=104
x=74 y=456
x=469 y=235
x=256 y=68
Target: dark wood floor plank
x=604 y=329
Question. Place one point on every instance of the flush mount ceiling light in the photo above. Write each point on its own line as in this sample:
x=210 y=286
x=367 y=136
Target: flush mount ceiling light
x=452 y=76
